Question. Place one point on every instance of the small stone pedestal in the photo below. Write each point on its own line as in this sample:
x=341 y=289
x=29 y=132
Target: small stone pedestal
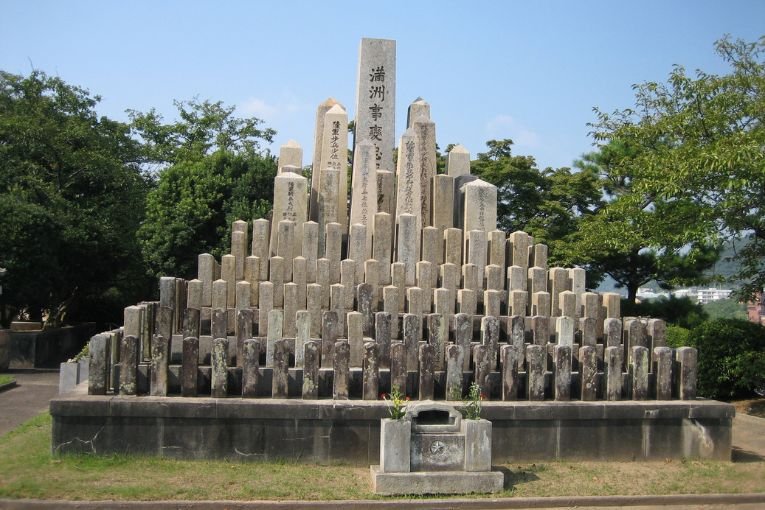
x=432 y=450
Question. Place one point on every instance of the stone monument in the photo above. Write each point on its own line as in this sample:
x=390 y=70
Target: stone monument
x=316 y=309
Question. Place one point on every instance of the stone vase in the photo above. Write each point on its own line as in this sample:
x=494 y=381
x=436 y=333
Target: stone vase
x=477 y=444
x=395 y=445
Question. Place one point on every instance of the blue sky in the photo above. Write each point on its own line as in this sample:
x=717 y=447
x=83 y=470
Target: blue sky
x=530 y=71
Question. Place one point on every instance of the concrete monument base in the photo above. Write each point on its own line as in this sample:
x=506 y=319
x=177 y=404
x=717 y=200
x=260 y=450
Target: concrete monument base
x=436 y=482
x=330 y=431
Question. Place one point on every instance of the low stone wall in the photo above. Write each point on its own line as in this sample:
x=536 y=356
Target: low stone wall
x=330 y=431
x=5 y=349
x=47 y=348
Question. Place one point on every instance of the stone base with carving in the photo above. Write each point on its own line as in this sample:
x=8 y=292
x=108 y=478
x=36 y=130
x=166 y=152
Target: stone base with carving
x=436 y=482
x=432 y=450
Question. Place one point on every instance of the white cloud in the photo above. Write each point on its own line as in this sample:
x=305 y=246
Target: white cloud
x=505 y=126
x=271 y=110
x=258 y=108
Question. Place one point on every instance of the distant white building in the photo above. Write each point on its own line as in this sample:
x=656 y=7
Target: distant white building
x=703 y=296
x=646 y=293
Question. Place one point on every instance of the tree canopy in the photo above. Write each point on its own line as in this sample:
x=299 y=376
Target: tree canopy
x=203 y=128
x=216 y=175
x=631 y=236
x=71 y=198
x=697 y=153
x=548 y=204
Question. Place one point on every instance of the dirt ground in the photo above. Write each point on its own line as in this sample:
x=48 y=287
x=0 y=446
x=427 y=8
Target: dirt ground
x=752 y=407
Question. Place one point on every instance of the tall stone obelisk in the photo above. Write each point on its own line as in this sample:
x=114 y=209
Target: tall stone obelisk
x=376 y=99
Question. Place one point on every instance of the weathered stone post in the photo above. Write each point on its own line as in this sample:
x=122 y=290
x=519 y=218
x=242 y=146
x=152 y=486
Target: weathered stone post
x=463 y=335
x=219 y=379
x=280 y=373
x=612 y=331
x=663 y=371
x=438 y=329
x=614 y=380
x=244 y=321
x=275 y=324
x=426 y=383
x=511 y=355
x=562 y=360
x=490 y=339
x=160 y=357
x=370 y=371
x=588 y=372
x=311 y=363
x=340 y=379
x=329 y=335
x=687 y=358
x=454 y=365
x=189 y=366
x=482 y=367
x=639 y=371
x=303 y=330
x=412 y=336
x=535 y=361
x=129 y=365
x=398 y=372
x=98 y=371
x=250 y=367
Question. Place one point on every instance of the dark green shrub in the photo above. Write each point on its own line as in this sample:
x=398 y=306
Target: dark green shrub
x=726 y=309
x=678 y=336
x=731 y=358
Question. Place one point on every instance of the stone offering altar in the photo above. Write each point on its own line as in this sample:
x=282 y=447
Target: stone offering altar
x=281 y=348
x=432 y=450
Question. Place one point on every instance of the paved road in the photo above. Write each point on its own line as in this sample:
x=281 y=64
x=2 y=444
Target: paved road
x=748 y=438
x=29 y=398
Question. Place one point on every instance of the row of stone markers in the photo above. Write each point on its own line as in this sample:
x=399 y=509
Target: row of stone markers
x=499 y=275
x=515 y=357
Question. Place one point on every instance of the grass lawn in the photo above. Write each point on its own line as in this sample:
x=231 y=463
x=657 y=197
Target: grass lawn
x=29 y=471
x=5 y=379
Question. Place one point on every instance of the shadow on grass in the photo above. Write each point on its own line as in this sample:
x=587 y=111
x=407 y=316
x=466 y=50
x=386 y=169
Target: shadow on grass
x=514 y=478
x=743 y=456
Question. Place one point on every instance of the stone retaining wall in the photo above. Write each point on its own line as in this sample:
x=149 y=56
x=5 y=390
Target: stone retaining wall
x=328 y=431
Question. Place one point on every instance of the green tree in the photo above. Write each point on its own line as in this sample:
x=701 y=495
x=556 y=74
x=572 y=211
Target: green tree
x=204 y=127
x=548 y=204
x=216 y=175
x=698 y=151
x=633 y=237
x=71 y=198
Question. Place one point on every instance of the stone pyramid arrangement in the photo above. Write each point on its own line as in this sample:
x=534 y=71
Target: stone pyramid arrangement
x=402 y=282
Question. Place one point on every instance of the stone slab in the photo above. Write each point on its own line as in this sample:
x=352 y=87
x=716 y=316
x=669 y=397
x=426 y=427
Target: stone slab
x=436 y=482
